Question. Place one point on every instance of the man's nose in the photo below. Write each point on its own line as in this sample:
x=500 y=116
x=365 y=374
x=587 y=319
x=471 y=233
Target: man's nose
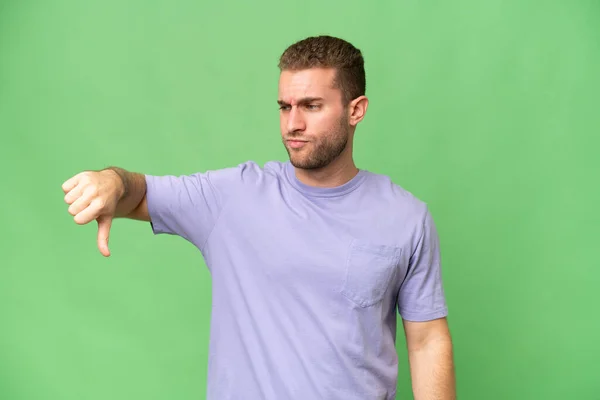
x=295 y=121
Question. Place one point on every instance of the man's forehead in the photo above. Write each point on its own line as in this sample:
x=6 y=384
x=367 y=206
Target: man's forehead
x=310 y=83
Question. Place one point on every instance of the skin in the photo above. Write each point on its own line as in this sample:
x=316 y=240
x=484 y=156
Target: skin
x=311 y=112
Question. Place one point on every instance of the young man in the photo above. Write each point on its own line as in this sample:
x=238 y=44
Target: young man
x=310 y=259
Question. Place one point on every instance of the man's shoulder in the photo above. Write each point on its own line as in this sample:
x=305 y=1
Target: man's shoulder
x=393 y=196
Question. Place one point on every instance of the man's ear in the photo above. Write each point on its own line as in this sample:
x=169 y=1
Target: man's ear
x=357 y=109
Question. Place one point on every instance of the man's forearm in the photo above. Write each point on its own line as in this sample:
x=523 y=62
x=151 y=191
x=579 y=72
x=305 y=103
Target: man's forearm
x=133 y=191
x=432 y=371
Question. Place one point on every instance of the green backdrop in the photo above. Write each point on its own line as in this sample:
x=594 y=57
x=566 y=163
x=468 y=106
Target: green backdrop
x=487 y=110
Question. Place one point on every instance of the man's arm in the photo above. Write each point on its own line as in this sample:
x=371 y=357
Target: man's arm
x=186 y=205
x=431 y=361
x=133 y=203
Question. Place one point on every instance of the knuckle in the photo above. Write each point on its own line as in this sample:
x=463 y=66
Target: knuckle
x=88 y=178
x=100 y=202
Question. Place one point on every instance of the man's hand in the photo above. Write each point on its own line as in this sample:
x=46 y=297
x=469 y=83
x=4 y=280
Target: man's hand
x=94 y=195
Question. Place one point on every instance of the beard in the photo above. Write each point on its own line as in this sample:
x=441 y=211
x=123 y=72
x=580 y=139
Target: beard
x=323 y=152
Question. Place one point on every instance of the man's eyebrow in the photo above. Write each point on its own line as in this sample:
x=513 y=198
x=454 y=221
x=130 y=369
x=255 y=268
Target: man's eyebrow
x=304 y=100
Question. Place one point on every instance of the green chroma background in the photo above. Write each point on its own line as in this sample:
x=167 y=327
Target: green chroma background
x=488 y=111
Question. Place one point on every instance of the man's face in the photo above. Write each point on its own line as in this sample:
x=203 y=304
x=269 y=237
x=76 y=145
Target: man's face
x=314 y=122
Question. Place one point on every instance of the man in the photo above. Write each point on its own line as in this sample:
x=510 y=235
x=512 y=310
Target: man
x=309 y=258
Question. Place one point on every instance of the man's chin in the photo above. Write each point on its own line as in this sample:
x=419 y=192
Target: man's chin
x=302 y=163
x=299 y=162
x=299 y=158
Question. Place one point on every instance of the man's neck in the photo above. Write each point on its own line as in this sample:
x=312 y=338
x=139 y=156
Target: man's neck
x=335 y=174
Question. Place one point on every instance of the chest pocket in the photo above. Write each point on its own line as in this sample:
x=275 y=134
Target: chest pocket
x=369 y=270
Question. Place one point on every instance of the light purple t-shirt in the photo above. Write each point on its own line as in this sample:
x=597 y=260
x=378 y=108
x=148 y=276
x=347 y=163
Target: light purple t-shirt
x=306 y=280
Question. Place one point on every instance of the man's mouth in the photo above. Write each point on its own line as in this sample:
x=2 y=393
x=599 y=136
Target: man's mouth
x=296 y=143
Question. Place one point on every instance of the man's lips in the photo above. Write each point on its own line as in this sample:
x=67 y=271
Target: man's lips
x=296 y=143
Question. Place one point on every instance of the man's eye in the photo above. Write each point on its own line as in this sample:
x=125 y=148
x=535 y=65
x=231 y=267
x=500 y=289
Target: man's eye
x=312 y=106
x=284 y=108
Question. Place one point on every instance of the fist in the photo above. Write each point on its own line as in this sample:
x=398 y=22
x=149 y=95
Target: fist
x=93 y=196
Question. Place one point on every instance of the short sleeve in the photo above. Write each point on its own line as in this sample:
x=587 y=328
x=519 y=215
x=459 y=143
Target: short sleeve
x=190 y=205
x=421 y=296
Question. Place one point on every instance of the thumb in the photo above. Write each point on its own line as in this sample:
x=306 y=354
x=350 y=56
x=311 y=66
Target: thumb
x=104 y=224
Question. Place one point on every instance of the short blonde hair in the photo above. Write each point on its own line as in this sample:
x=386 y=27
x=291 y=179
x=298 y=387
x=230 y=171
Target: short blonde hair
x=329 y=52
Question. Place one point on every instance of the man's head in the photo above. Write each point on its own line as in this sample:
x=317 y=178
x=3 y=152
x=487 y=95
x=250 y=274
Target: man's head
x=321 y=98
